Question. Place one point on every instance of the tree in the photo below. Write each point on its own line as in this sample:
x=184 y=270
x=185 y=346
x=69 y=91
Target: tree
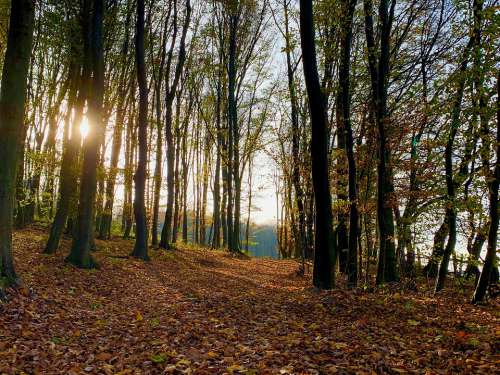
x=344 y=125
x=79 y=86
x=233 y=240
x=324 y=252
x=141 y=231
x=493 y=185
x=12 y=106
x=299 y=194
x=121 y=107
x=82 y=241
x=169 y=99
x=159 y=79
x=452 y=182
x=379 y=73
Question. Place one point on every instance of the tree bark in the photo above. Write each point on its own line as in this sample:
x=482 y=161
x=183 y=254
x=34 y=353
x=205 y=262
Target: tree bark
x=344 y=110
x=299 y=194
x=12 y=102
x=493 y=185
x=379 y=73
x=216 y=191
x=68 y=175
x=167 y=225
x=324 y=251
x=80 y=249
x=141 y=231
x=123 y=89
x=232 y=112
x=450 y=213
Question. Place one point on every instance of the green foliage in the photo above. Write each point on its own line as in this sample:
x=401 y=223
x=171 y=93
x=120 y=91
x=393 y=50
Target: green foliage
x=159 y=358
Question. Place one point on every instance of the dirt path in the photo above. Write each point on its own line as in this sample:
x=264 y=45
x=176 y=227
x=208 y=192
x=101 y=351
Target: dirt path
x=203 y=312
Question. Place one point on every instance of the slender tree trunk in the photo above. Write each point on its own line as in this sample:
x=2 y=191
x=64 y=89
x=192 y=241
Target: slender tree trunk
x=480 y=238
x=185 y=173
x=451 y=214
x=231 y=118
x=196 y=186
x=159 y=139
x=107 y=217
x=299 y=199
x=141 y=231
x=223 y=209
x=216 y=192
x=47 y=204
x=70 y=159
x=247 y=227
x=167 y=226
x=184 y=207
x=490 y=261
x=432 y=265
x=379 y=72
x=20 y=206
x=68 y=175
x=344 y=109
x=342 y=235
x=128 y=174
x=157 y=177
x=204 y=192
x=324 y=251
x=178 y=152
x=80 y=249
x=158 y=171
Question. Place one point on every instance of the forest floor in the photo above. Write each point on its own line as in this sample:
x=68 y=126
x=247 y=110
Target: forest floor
x=205 y=312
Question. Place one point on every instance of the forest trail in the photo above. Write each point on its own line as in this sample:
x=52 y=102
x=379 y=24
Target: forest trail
x=204 y=312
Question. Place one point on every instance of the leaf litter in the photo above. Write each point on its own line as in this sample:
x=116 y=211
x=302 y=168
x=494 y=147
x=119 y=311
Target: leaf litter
x=196 y=311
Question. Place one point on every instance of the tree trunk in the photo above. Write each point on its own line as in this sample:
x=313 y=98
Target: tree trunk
x=68 y=174
x=167 y=225
x=247 y=227
x=490 y=262
x=47 y=204
x=204 y=192
x=324 y=251
x=451 y=214
x=479 y=239
x=178 y=152
x=107 y=217
x=128 y=175
x=80 y=249
x=299 y=195
x=344 y=108
x=232 y=117
x=141 y=229
x=185 y=173
x=69 y=171
x=379 y=72
x=431 y=267
x=12 y=101
x=216 y=192
x=223 y=209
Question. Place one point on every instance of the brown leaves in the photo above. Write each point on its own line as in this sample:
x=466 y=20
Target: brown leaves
x=207 y=313
x=103 y=356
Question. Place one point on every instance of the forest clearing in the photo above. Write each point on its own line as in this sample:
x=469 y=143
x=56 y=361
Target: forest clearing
x=206 y=312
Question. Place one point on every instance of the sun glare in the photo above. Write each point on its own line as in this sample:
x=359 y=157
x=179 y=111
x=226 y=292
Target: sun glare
x=84 y=127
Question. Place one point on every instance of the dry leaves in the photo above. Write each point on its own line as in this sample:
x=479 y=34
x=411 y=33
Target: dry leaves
x=197 y=311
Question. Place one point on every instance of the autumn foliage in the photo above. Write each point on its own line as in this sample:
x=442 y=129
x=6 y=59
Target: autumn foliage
x=206 y=312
